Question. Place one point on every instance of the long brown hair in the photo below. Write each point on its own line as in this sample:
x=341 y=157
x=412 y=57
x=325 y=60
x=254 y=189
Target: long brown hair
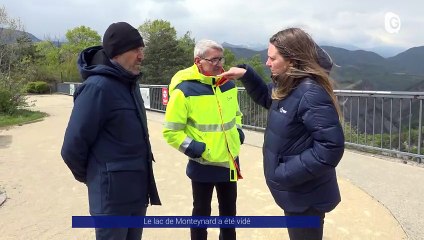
x=297 y=46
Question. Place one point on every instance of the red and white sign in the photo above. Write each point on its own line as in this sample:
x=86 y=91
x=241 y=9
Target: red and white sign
x=164 y=96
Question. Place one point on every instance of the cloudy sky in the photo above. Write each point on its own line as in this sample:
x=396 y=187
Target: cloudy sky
x=352 y=24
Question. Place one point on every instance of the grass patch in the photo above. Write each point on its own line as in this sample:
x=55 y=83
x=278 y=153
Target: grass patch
x=21 y=116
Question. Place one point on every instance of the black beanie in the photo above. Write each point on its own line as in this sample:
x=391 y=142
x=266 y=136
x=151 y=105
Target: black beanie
x=121 y=37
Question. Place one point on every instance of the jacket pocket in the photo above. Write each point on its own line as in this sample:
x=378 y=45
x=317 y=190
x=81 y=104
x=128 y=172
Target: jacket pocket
x=280 y=158
x=127 y=181
x=277 y=176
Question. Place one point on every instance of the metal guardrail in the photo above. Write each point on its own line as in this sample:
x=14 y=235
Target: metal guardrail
x=67 y=87
x=155 y=95
x=384 y=121
x=381 y=122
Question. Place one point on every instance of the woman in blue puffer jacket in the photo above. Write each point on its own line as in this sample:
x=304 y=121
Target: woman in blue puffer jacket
x=304 y=139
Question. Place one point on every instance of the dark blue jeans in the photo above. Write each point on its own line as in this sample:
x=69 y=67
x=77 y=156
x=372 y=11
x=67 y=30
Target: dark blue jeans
x=121 y=233
x=307 y=233
x=202 y=197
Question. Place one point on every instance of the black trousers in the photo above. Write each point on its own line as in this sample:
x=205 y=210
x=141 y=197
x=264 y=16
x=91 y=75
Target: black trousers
x=121 y=233
x=307 y=233
x=202 y=197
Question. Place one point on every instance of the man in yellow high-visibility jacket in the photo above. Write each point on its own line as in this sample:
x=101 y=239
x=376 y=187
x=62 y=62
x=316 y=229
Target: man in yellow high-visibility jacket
x=203 y=120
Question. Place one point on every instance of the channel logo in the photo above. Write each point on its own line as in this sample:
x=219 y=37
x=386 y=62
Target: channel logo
x=392 y=22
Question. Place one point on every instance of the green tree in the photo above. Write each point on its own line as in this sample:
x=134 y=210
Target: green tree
x=78 y=39
x=230 y=59
x=186 y=43
x=17 y=56
x=164 y=53
x=26 y=57
x=256 y=63
x=48 y=62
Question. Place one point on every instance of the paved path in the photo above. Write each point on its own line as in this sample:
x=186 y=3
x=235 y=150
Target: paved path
x=42 y=194
x=397 y=186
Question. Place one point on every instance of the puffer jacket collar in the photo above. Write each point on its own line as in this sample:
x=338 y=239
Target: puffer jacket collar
x=93 y=61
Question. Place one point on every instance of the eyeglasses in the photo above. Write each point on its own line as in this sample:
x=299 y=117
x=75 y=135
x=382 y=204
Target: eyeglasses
x=215 y=61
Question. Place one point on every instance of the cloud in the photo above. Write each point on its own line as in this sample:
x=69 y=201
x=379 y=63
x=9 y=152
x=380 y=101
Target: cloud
x=359 y=23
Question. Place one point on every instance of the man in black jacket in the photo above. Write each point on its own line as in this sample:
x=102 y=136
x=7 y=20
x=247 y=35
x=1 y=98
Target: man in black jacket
x=106 y=144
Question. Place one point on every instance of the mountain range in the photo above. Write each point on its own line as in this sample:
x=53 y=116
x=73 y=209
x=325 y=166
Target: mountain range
x=7 y=35
x=365 y=70
x=353 y=69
